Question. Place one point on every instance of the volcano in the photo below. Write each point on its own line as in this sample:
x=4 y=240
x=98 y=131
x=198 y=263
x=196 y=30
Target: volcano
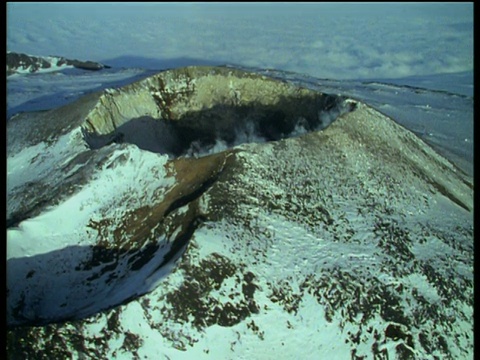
x=213 y=212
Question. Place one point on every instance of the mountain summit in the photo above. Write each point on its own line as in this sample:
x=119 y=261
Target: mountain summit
x=212 y=212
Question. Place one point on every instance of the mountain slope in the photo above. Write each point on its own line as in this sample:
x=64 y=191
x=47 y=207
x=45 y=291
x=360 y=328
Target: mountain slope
x=234 y=216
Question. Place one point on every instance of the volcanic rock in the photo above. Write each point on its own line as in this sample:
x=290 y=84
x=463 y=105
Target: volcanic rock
x=18 y=62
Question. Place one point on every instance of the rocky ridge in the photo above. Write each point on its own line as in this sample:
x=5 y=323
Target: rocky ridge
x=23 y=63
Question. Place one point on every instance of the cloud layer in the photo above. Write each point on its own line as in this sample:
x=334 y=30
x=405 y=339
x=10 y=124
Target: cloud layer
x=341 y=41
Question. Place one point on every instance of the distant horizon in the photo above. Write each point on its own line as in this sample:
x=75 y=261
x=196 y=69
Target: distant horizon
x=324 y=40
x=160 y=61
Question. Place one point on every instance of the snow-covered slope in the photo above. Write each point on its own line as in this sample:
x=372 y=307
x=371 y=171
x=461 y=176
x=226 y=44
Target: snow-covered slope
x=439 y=108
x=344 y=235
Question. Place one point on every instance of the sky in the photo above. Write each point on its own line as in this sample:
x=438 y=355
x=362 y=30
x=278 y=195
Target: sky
x=326 y=40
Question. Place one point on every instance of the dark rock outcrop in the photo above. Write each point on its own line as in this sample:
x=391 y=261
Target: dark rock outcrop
x=18 y=62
